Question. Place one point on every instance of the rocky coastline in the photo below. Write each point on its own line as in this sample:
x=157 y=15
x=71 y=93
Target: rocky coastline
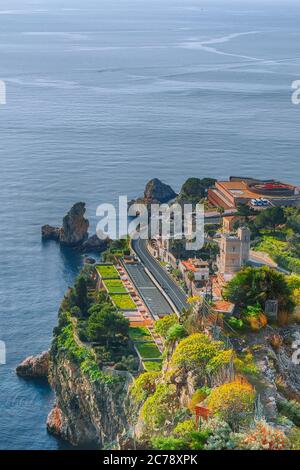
x=34 y=366
x=74 y=232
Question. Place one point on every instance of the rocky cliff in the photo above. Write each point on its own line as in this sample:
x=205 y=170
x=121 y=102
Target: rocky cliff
x=86 y=412
x=155 y=192
x=34 y=366
x=74 y=230
x=75 y=226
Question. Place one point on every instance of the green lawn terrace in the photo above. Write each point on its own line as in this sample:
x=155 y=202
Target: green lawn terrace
x=140 y=334
x=152 y=366
x=123 y=301
x=146 y=348
x=107 y=271
x=115 y=286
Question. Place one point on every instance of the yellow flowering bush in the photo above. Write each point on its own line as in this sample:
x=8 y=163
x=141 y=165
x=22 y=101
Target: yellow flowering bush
x=160 y=407
x=232 y=402
x=144 y=386
x=185 y=428
x=198 y=351
x=195 y=349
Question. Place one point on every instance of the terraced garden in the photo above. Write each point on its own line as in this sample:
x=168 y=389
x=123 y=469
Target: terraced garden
x=148 y=350
x=115 y=286
x=123 y=301
x=152 y=366
x=107 y=271
x=140 y=334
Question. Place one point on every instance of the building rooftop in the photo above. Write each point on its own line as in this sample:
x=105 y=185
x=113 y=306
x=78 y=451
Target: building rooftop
x=223 y=306
x=194 y=264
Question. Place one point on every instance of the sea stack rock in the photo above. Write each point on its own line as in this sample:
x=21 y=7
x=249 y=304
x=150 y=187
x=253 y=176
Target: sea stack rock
x=155 y=192
x=75 y=227
x=50 y=233
x=95 y=244
x=34 y=366
x=74 y=230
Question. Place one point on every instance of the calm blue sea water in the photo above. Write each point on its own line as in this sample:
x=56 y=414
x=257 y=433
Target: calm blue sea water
x=103 y=95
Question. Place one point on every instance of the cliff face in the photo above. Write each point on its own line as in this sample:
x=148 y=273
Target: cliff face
x=75 y=226
x=155 y=192
x=34 y=366
x=74 y=230
x=86 y=412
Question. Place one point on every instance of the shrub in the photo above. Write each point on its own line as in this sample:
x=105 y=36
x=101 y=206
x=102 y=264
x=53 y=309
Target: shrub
x=290 y=409
x=236 y=323
x=245 y=364
x=294 y=438
x=144 y=386
x=163 y=325
x=232 y=402
x=185 y=428
x=256 y=285
x=220 y=435
x=197 y=439
x=199 y=352
x=176 y=332
x=264 y=437
x=168 y=443
x=187 y=436
x=160 y=408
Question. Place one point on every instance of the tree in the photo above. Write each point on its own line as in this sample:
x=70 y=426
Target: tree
x=245 y=211
x=79 y=295
x=195 y=189
x=252 y=286
x=163 y=325
x=271 y=218
x=107 y=326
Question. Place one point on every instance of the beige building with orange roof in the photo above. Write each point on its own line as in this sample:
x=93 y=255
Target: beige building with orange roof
x=228 y=194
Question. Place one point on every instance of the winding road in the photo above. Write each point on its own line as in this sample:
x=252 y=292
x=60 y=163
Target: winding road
x=172 y=290
x=170 y=287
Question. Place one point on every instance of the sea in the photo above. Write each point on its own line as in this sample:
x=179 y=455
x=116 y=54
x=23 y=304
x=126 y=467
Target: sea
x=101 y=96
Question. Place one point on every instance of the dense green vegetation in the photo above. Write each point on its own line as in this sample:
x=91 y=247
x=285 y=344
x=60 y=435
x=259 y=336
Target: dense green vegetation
x=163 y=325
x=116 y=249
x=106 y=326
x=66 y=341
x=198 y=351
x=95 y=336
x=276 y=232
x=253 y=286
x=195 y=189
